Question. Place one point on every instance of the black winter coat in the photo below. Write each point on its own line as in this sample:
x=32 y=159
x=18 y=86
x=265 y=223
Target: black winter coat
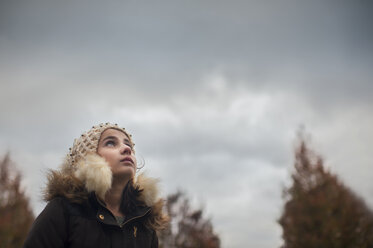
x=64 y=224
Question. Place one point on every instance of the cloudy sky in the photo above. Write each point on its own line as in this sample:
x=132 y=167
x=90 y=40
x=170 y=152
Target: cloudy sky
x=212 y=91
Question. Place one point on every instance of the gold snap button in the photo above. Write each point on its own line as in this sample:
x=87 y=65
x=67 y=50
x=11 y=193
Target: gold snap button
x=101 y=216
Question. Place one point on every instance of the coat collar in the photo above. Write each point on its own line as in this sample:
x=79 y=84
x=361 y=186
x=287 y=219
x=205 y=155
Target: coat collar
x=94 y=175
x=104 y=215
x=76 y=186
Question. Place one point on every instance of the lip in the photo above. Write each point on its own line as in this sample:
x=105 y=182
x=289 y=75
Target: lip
x=126 y=160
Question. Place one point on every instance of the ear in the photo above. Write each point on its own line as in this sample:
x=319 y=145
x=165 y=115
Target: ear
x=95 y=173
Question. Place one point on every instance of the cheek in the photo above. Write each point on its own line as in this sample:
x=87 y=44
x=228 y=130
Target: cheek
x=105 y=154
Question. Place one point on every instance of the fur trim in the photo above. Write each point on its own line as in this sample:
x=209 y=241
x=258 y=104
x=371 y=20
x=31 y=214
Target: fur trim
x=158 y=220
x=149 y=187
x=93 y=174
x=149 y=195
x=65 y=185
x=94 y=171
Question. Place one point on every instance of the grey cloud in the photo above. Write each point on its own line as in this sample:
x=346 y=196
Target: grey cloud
x=185 y=38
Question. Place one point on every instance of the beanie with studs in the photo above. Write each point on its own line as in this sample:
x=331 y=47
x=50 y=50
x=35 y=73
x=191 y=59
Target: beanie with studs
x=88 y=142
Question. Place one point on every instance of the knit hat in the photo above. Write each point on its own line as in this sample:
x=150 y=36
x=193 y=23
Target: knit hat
x=86 y=165
x=88 y=142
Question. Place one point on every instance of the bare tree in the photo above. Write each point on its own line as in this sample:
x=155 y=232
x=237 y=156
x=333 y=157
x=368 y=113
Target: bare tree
x=16 y=215
x=188 y=228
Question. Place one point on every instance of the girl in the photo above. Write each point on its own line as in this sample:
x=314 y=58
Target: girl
x=95 y=200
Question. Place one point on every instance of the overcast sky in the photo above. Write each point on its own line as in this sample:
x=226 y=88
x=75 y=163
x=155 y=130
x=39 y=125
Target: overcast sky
x=212 y=91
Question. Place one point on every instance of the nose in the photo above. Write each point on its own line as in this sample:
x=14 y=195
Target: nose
x=125 y=149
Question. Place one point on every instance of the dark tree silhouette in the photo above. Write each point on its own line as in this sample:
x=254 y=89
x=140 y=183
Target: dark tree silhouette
x=16 y=215
x=320 y=211
x=188 y=228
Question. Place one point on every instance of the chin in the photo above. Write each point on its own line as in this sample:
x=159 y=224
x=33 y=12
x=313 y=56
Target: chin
x=125 y=173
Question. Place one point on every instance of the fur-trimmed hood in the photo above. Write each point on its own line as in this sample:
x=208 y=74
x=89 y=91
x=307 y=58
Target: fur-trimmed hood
x=93 y=174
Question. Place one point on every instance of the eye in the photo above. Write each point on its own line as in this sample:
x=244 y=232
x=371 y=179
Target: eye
x=129 y=145
x=110 y=143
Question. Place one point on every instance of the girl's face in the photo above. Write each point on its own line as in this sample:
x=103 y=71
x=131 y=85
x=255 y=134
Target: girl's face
x=117 y=150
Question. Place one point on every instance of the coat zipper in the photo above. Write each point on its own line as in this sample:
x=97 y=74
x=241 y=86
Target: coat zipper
x=133 y=218
x=136 y=217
